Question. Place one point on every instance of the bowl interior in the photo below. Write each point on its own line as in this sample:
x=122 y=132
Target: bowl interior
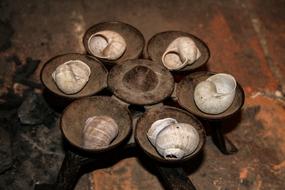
x=75 y=115
x=97 y=80
x=159 y=43
x=185 y=95
x=140 y=82
x=145 y=122
x=133 y=37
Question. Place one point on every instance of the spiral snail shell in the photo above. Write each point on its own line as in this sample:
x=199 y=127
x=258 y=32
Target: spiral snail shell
x=107 y=45
x=173 y=140
x=71 y=76
x=98 y=132
x=215 y=94
x=180 y=52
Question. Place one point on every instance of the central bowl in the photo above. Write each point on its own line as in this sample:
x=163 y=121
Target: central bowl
x=140 y=82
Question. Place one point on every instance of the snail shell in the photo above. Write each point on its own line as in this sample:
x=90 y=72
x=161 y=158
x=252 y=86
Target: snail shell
x=215 y=94
x=173 y=140
x=99 y=131
x=181 y=52
x=71 y=76
x=107 y=45
x=157 y=126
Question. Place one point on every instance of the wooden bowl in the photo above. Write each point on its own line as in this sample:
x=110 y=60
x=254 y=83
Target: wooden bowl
x=97 y=80
x=185 y=92
x=158 y=44
x=145 y=122
x=74 y=116
x=140 y=82
x=133 y=37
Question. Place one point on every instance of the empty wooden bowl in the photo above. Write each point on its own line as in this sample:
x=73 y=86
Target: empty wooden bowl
x=159 y=42
x=74 y=116
x=97 y=80
x=141 y=82
x=133 y=37
x=154 y=114
x=185 y=96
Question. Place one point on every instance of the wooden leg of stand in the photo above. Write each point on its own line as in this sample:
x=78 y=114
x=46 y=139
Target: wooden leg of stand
x=221 y=141
x=73 y=165
x=68 y=174
x=174 y=178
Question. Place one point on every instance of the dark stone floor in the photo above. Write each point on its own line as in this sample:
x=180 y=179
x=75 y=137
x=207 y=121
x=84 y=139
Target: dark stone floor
x=246 y=39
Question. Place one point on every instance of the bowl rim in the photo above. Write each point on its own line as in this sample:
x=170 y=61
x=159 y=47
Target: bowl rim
x=101 y=150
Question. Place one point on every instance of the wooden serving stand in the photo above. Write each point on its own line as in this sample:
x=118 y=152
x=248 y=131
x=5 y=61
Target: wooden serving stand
x=139 y=87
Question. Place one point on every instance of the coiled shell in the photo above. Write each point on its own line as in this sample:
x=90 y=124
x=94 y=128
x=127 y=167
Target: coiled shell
x=215 y=94
x=99 y=131
x=173 y=140
x=157 y=126
x=181 y=52
x=107 y=45
x=71 y=76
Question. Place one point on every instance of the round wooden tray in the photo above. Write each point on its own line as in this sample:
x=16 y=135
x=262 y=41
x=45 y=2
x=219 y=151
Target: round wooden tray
x=74 y=117
x=185 y=91
x=144 y=123
x=140 y=82
x=97 y=80
x=133 y=37
x=159 y=42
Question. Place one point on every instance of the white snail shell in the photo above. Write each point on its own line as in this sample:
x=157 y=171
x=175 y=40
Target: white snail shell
x=99 y=131
x=216 y=94
x=71 y=76
x=181 y=52
x=173 y=140
x=107 y=44
x=157 y=126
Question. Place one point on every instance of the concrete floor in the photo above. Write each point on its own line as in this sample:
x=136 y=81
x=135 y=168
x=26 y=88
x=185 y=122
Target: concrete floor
x=245 y=38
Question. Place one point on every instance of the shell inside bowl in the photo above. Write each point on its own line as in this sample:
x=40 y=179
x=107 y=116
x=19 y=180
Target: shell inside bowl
x=152 y=115
x=159 y=43
x=133 y=38
x=76 y=114
x=96 y=82
x=185 y=96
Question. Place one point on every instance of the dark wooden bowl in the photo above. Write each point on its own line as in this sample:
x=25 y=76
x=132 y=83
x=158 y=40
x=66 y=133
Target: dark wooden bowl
x=133 y=37
x=145 y=122
x=140 y=82
x=97 y=80
x=74 y=117
x=159 y=42
x=185 y=92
